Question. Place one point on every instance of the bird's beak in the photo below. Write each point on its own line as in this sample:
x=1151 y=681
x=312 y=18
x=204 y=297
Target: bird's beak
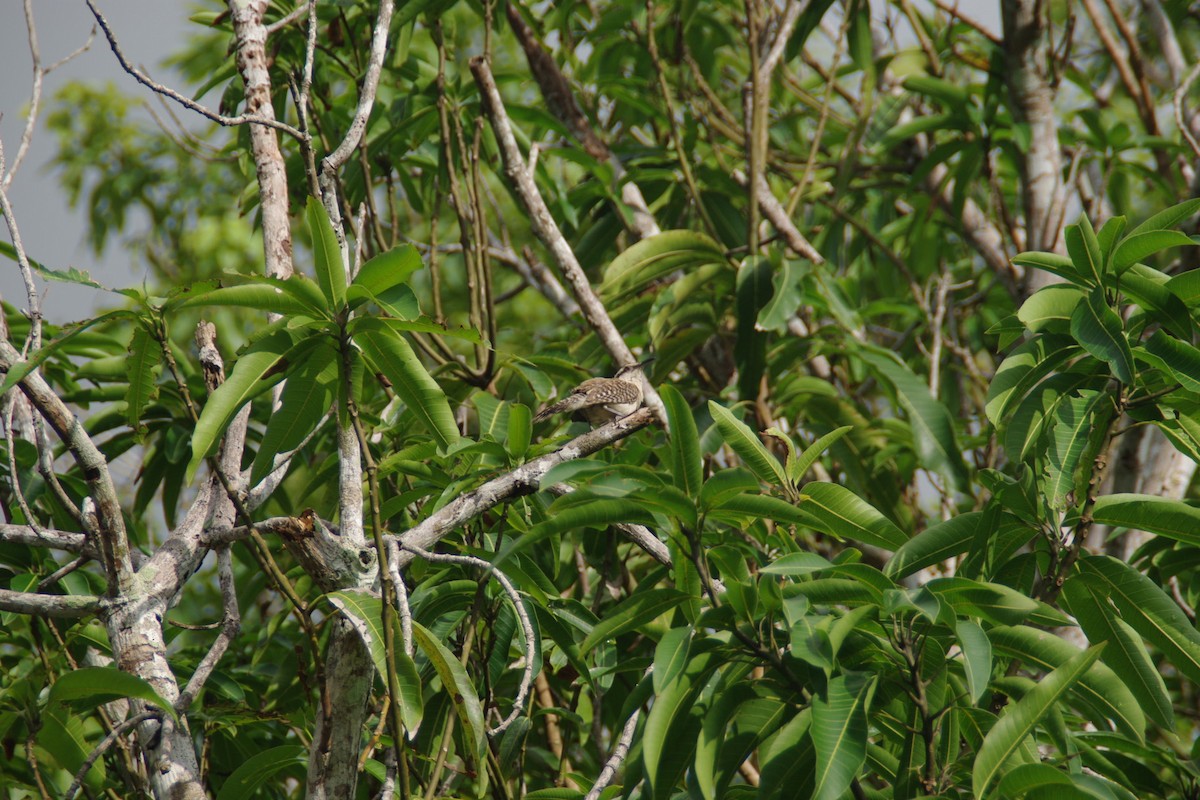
x=647 y=362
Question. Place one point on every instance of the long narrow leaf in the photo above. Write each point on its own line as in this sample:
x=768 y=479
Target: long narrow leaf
x=839 y=733
x=1006 y=736
x=392 y=355
x=685 y=443
x=327 y=255
x=843 y=513
x=747 y=445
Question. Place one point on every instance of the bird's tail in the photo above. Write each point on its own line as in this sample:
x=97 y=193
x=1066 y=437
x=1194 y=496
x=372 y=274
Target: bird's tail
x=548 y=411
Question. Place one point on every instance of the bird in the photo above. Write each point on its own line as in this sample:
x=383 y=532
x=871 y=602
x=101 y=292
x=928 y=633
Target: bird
x=602 y=400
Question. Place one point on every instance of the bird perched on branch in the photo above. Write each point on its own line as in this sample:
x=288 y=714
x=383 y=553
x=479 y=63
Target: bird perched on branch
x=602 y=400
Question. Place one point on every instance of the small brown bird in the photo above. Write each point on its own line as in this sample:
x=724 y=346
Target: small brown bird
x=602 y=400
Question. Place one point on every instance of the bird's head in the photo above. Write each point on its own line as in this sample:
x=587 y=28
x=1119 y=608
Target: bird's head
x=633 y=370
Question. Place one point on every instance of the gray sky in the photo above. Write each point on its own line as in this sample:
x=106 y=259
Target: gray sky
x=51 y=231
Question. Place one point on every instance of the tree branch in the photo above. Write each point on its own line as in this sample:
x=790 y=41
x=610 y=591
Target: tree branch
x=144 y=79
x=521 y=481
x=547 y=229
x=68 y=606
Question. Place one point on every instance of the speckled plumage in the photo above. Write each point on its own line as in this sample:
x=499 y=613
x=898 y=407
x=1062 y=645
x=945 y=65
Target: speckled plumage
x=601 y=400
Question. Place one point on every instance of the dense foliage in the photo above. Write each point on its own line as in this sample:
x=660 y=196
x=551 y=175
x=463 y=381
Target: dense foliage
x=907 y=516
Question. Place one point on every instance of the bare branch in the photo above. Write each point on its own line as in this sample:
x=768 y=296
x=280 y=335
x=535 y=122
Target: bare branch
x=620 y=750
x=1180 y=96
x=119 y=730
x=184 y=100
x=521 y=481
x=34 y=342
x=518 y=607
x=366 y=99
x=778 y=216
x=68 y=606
x=1026 y=47
x=231 y=625
x=640 y=535
x=283 y=22
x=252 y=63
x=113 y=538
x=556 y=91
x=35 y=93
x=774 y=55
x=952 y=8
x=547 y=229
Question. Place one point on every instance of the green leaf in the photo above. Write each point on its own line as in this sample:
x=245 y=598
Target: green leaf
x=259 y=769
x=1100 y=686
x=714 y=731
x=1137 y=246
x=1163 y=516
x=1006 y=736
x=977 y=657
x=764 y=507
x=1182 y=359
x=935 y=544
x=787 y=297
x=365 y=612
x=932 y=424
x=90 y=687
x=1108 y=235
x=1153 y=292
x=672 y=726
x=670 y=657
x=385 y=272
x=295 y=297
x=458 y=685
x=390 y=354
x=588 y=512
x=1074 y=424
x=1050 y=308
x=948 y=94
x=63 y=736
x=839 y=733
x=520 y=429
x=1023 y=369
x=1147 y=609
x=327 y=255
x=304 y=401
x=1168 y=218
x=752 y=292
x=22 y=368
x=1126 y=652
x=140 y=369
x=844 y=514
x=260 y=366
x=1100 y=331
x=1084 y=250
x=688 y=468
x=747 y=445
x=797 y=469
x=991 y=601
x=657 y=256
x=633 y=612
x=1061 y=266
x=795 y=564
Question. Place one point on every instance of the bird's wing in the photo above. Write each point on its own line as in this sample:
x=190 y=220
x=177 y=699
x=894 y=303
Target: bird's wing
x=613 y=392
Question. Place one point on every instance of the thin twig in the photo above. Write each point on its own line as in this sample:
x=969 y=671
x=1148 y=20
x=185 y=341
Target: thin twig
x=520 y=481
x=231 y=625
x=522 y=617
x=118 y=730
x=1180 y=96
x=547 y=229
x=187 y=102
x=620 y=751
